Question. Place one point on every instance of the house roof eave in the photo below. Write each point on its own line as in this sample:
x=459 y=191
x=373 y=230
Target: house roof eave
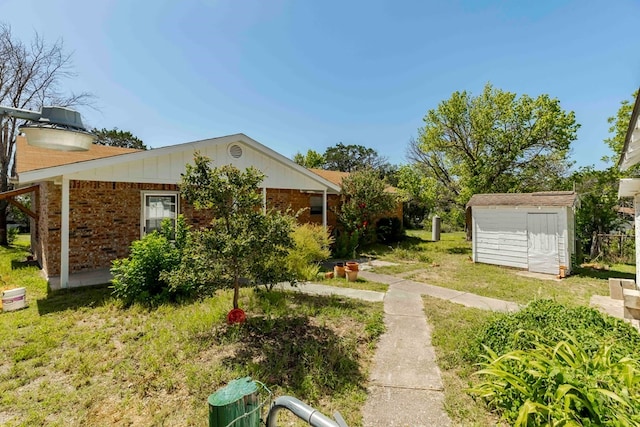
x=68 y=169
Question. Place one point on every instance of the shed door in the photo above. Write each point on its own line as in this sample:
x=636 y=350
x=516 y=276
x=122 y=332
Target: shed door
x=542 y=240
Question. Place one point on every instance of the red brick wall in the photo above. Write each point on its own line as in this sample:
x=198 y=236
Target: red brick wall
x=105 y=219
x=297 y=200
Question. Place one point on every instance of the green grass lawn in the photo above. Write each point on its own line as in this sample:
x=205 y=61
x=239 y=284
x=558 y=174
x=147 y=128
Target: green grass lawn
x=79 y=358
x=448 y=263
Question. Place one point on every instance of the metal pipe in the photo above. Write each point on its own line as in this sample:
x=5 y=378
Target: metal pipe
x=20 y=113
x=302 y=411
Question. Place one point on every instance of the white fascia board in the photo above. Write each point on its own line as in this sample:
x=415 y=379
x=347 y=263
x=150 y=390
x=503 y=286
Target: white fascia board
x=629 y=187
x=52 y=172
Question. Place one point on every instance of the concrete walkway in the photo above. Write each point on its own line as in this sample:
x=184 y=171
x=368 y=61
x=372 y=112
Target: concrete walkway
x=405 y=386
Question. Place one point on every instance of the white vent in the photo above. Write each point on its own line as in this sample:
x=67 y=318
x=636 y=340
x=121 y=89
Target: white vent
x=235 y=151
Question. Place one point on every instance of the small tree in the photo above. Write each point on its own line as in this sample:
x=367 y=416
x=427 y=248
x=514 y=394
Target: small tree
x=241 y=241
x=364 y=198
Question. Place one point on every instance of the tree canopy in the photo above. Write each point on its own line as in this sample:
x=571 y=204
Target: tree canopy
x=117 y=138
x=241 y=241
x=350 y=158
x=312 y=159
x=495 y=142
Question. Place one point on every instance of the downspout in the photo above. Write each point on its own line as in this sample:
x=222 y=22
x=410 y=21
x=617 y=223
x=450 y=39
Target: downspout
x=64 y=235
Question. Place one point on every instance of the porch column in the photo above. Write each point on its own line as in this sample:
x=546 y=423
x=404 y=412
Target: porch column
x=64 y=235
x=264 y=200
x=324 y=209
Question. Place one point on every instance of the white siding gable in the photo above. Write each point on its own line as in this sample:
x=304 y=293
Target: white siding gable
x=165 y=165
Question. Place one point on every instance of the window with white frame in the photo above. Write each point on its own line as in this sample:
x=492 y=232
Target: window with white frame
x=315 y=203
x=157 y=207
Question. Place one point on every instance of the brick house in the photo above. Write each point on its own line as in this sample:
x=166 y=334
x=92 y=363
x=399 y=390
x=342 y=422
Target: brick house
x=88 y=207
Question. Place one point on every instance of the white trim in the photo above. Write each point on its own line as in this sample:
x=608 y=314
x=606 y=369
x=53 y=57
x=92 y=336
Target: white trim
x=324 y=209
x=636 y=205
x=144 y=194
x=52 y=172
x=64 y=235
x=264 y=200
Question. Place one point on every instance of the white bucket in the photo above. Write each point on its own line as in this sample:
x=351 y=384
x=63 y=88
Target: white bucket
x=14 y=299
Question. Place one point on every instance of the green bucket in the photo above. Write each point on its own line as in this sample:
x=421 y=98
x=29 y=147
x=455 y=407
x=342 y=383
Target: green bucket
x=236 y=405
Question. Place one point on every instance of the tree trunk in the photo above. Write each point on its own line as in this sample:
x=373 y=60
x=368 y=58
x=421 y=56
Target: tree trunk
x=236 y=292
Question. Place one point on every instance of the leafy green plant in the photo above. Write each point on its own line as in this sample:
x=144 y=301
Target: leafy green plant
x=12 y=233
x=516 y=331
x=363 y=199
x=311 y=244
x=241 y=242
x=139 y=278
x=346 y=244
x=561 y=383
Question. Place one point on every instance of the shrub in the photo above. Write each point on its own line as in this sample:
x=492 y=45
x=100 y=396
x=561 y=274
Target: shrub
x=548 y=318
x=346 y=244
x=363 y=199
x=12 y=233
x=561 y=383
x=389 y=230
x=311 y=244
x=139 y=278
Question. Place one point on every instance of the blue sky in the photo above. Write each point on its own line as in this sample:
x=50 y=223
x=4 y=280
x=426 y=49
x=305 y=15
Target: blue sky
x=303 y=74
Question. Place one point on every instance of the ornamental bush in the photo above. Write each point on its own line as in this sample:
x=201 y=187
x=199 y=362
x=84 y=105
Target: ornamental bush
x=311 y=244
x=389 y=230
x=138 y=278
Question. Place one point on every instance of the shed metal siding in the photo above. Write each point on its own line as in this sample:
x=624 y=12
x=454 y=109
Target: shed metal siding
x=500 y=235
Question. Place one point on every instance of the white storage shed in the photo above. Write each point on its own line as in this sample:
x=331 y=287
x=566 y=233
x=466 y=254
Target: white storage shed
x=533 y=231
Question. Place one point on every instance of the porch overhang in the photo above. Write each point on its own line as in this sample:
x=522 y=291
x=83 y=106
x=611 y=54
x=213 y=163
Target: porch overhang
x=629 y=187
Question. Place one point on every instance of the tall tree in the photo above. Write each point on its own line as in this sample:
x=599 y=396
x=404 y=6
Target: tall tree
x=117 y=138
x=312 y=159
x=420 y=193
x=30 y=77
x=495 y=142
x=350 y=158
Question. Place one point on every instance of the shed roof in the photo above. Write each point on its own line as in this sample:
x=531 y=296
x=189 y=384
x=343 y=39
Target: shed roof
x=542 y=198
